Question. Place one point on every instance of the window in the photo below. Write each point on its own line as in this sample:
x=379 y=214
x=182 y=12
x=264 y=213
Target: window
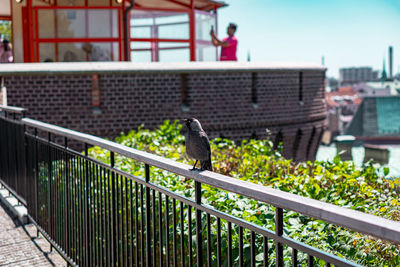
x=159 y=36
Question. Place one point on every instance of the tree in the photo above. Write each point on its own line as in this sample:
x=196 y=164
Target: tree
x=5 y=29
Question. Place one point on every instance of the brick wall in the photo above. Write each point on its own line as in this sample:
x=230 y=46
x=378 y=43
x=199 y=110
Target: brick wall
x=236 y=103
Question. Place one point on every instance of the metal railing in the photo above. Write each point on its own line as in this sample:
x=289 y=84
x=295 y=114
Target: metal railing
x=97 y=215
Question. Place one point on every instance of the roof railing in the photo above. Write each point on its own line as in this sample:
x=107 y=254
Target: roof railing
x=351 y=219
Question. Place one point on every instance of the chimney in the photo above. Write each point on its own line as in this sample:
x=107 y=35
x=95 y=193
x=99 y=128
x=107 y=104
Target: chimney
x=390 y=62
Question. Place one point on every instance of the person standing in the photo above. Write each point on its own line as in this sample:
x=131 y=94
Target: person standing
x=6 y=55
x=95 y=53
x=228 y=44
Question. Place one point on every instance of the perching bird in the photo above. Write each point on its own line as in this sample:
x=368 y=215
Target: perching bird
x=197 y=144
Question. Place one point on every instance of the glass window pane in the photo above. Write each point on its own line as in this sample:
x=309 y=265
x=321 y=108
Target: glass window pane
x=71 y=52
x=47 y=52
x=173 y=31
x=103 y=23
x=204 y=21
x=141 y=56
x=159 y=24
x=141 y=32
x=46 y=22
x=140 y=45
x=206 y=53
x=71 y=23
x=174 y=55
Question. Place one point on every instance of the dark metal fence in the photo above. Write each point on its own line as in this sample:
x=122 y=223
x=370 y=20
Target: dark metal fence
x=97 y=215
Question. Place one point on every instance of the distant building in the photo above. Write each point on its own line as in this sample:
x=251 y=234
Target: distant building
x=333 y=84
x=377 y=120
x=342 y=105
x=354 y=75
x=386 y=88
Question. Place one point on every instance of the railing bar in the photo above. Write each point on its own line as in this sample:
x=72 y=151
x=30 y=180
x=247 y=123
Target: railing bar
x=137 y=224
x=101 y=216
x=142 y=243
x=74 y=200
x=199 y=239
x=120 y=219
x=182 y=225
x=131 y=219
x=190 y=236
x=279 y=232
x=97 y=215
x=91 y=210
x=209 y=241
x=87 y=209
x=131 y=234
x=219 y=256
x=71 y=210
x=76 y=215
x=67 y=211
x=160 y=228
x=148 y=223
x=114 y=255
x=310 y=262
x=82 y=212
x=167 y=230
x=294 y=257
x=61 y=200
x=126 y=250
x=108 y=244
x=154 y=220
x=174 y=240
x=230 y=261
x=241 y=246
x=253 y=249
x=49 y=191
x=265 y=250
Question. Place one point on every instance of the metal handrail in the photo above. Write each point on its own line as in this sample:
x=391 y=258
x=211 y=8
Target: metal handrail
x=12 y=109
x=351 y=219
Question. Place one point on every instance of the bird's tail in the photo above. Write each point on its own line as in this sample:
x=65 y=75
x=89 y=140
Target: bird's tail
x=206 y=165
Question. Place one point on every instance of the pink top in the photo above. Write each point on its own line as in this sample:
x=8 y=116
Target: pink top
x=229 y=53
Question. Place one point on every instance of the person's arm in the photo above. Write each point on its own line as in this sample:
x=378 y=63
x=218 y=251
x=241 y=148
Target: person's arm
x=216 y=41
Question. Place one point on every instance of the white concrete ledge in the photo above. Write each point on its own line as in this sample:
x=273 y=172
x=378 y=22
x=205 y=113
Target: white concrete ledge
x=154 y=67
x=17 y=210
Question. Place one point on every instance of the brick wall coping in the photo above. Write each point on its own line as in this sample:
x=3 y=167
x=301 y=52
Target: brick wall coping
x=154 y=67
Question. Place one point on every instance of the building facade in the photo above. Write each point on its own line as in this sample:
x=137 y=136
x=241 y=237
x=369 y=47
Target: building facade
x=232 y=100
x=354 y=75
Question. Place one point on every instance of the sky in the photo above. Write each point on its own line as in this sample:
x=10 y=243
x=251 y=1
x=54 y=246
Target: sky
x=348 y=33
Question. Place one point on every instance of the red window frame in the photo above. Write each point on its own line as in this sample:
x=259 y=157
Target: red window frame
x=158 y=40
x=36 y=40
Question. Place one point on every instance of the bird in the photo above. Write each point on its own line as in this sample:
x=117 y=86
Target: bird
x=197 y=144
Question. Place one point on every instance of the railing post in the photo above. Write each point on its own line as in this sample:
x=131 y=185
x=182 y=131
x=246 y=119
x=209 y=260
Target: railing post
x=279 y=232
x=148 y=230
x=199 y=240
